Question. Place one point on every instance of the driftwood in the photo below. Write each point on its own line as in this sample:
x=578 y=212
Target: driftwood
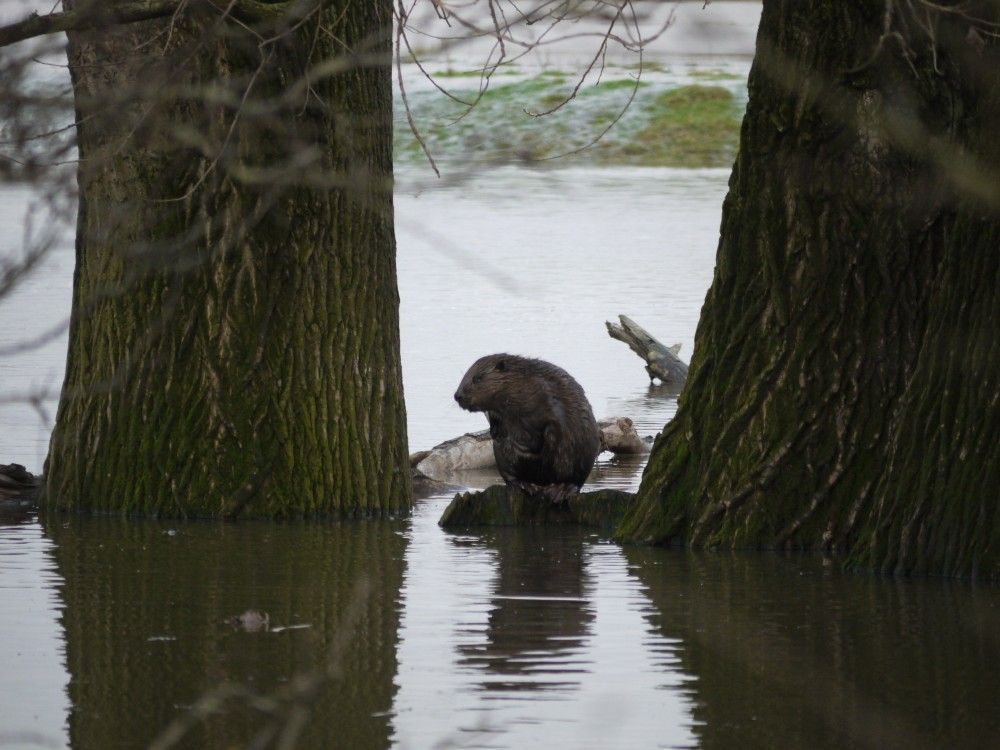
x=506 y=506
x=661 y=361
x=474 y=450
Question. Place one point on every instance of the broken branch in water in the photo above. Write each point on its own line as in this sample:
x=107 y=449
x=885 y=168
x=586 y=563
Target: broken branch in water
x=661 y=361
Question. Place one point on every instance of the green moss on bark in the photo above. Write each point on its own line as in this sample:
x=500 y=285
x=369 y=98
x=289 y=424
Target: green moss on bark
x=234 y=343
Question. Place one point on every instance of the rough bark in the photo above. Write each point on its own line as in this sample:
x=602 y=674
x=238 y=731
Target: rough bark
x=844 y=387
x=234 y=344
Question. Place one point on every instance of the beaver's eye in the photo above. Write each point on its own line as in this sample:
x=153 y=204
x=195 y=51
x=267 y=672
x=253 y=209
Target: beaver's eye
x=476 y=378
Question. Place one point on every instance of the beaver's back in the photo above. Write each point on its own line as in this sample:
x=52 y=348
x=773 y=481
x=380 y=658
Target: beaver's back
x=543 y=428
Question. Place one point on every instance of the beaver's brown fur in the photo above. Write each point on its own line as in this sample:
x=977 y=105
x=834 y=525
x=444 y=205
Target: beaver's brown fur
x=545 y=437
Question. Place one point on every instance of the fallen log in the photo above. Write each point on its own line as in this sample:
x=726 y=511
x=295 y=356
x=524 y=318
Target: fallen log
x=474 y=450
x=661 y=361
x=501 y=505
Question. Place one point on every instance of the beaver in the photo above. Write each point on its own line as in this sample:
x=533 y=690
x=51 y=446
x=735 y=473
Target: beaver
x=545 y=437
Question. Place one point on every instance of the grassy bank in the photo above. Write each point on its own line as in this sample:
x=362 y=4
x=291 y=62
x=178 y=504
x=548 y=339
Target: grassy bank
x=675 y=120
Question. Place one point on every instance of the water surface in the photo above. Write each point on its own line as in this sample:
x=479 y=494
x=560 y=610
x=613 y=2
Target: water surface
x=398 y=634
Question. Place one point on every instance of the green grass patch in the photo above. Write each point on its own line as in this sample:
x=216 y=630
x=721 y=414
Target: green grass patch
x=691 y=126
x=687 y=126
x=452 y=73
x=618 y=84
x=647 y=67
x=713 y=74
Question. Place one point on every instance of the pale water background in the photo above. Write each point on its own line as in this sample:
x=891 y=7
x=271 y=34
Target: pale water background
x=502 y=639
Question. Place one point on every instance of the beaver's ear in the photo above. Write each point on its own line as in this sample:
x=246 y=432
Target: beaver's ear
x=501 y=365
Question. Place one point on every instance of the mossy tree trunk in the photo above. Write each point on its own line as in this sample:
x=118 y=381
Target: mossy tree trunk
x=234 y=342
x=844 y=388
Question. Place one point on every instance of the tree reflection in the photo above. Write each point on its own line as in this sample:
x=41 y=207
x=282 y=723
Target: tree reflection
x=147 y=635
x=540 y=617
x=795 y=653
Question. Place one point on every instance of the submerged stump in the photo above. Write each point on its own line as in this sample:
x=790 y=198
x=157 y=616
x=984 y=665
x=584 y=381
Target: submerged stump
x=507 y=506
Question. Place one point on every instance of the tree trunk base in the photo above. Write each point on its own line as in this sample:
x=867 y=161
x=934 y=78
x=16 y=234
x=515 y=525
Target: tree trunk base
x=500 y=505
x=17 y=483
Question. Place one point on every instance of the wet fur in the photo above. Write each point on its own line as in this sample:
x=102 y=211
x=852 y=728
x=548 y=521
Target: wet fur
x=545 y=437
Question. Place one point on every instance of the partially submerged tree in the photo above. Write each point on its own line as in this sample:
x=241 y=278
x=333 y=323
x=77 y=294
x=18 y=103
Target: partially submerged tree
x=844 y=389
x=234 y=342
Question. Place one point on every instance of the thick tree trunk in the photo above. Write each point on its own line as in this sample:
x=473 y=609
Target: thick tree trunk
x=234 y=343
x=844 y=387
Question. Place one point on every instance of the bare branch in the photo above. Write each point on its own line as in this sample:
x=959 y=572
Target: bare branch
x=98 y=16
x=85 y=18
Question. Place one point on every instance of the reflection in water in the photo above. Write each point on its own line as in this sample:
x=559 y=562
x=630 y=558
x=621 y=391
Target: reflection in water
x=509 y=638
x=521 y=638
x=33 y=701
x=795 y=653
x=539 y=617
x=146 y=606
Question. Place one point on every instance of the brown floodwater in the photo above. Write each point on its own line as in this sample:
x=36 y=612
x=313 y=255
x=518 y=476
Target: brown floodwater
x=119 y=634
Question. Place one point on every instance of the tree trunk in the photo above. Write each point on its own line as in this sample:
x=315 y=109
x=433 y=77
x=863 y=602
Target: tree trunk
x=234 y=342
x=843 y=392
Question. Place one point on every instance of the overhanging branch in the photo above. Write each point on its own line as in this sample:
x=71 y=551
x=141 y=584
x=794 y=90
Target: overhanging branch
x=90 y=16
x=98 y=15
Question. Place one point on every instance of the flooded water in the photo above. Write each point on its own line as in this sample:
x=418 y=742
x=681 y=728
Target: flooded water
x=534 y=263
x=398 y=634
